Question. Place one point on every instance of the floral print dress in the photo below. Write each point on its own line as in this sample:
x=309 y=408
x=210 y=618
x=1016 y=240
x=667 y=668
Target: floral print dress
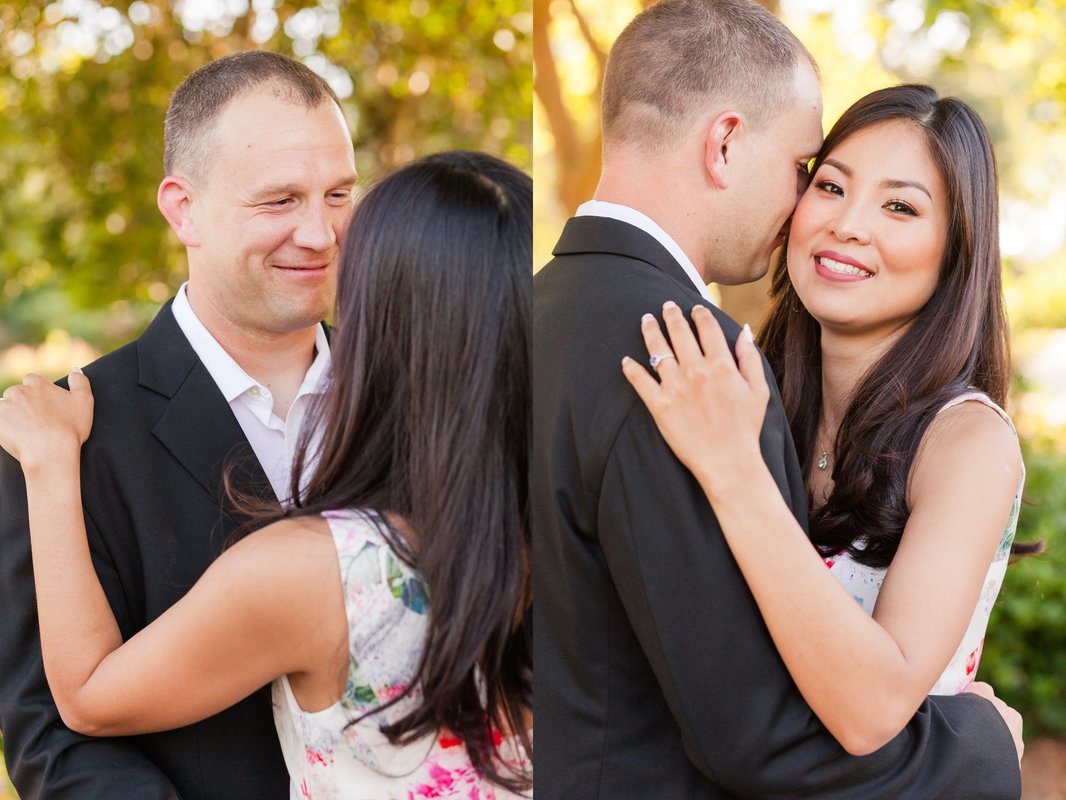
x=864 y=583
x=329 y=758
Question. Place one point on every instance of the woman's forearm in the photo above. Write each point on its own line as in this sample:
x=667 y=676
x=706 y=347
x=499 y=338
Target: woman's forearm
x=78 y=627
x=850 y=669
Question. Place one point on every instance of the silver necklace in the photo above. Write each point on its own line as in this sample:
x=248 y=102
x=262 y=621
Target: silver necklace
x=823 y=462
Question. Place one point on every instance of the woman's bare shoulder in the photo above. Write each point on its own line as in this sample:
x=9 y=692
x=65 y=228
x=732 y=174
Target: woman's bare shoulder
x=969 y=442
x=294 y=560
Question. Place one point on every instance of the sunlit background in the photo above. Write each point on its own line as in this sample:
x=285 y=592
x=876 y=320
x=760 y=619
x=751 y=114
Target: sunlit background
x=85 y=257
x=1006 y=58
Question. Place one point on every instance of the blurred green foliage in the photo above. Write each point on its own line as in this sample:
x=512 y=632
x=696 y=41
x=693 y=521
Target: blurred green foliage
x=1024 y=655
x=84 y=87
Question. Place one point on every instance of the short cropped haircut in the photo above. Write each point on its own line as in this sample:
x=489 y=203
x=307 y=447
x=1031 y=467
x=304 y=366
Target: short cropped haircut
x=200 y=100
x=677 y=56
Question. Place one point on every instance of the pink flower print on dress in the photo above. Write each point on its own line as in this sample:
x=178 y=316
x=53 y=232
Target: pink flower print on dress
x=974 y=660
x=391 y=691
x=315 y=757
x=461 y=783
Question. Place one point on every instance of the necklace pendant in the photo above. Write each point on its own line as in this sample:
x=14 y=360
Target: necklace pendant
x=823 y=462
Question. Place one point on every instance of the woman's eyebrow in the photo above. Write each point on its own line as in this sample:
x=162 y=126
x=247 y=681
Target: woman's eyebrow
x=888 y=183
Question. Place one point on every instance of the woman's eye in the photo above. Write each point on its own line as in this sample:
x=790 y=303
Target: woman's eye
x=899 y=207
x=829 y=186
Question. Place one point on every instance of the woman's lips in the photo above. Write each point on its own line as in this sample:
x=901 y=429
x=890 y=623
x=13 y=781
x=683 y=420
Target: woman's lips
x=837 y=267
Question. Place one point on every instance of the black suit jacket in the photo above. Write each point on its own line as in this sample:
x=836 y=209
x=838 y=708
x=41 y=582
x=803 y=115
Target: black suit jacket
x=151 y=485
x=656 y=677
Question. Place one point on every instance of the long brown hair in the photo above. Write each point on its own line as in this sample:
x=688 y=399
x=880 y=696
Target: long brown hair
x=428 y=415
x=958 y=340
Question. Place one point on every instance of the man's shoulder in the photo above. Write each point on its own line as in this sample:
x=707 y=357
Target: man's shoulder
x=611 y=293
x=119 y=371
x=119 y=361
x=114 y=376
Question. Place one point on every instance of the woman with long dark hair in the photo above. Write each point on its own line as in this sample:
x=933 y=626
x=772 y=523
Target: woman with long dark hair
x=388 y=603
x=888 y=338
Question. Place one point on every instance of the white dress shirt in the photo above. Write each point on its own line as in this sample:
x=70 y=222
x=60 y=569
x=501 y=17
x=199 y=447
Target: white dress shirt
x=273 y=439
x=601 y=208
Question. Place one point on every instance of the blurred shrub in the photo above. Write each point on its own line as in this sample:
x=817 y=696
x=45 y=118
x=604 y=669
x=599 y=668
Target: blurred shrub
x=1024 y=655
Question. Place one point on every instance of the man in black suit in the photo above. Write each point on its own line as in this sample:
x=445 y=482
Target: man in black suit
x=259 y=177
x=656 y=677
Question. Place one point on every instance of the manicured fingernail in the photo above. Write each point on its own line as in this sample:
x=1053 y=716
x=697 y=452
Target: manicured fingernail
x=700 y=309
x=669 y=304
x=77 y=370
x=747 y=332
x=647 y=318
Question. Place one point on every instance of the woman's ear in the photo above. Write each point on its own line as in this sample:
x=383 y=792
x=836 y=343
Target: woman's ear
x=719 y=147
x=174 y=199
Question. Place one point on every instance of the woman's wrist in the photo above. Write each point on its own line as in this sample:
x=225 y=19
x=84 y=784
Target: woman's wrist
x=730 y=476
x=59 y=457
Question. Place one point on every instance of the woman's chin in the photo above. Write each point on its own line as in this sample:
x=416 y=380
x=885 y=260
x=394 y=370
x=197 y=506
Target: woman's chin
x=838 y=323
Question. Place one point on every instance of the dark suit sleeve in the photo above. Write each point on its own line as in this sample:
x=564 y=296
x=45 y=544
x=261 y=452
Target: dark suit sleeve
x=46 y=760
x=744 y=724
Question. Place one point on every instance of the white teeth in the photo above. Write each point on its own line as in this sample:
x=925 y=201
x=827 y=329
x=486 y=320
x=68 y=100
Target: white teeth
x=842 y=269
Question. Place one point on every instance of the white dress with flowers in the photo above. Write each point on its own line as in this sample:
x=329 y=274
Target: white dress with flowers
x=864 y=583
x=327 y=756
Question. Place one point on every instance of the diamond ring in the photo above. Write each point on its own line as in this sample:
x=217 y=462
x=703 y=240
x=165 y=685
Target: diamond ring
x=655 y=361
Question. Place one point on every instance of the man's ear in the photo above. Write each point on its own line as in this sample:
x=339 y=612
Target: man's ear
x=719 y=147
x=174 y=199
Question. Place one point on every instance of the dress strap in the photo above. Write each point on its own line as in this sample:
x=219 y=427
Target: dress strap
x=979 y=397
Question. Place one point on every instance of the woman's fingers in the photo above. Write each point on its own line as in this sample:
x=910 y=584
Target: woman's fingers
x=662 y=355
x=750 y=364
x=79 y=385
x=712 y=340
x=646 y=386
x=684 y=343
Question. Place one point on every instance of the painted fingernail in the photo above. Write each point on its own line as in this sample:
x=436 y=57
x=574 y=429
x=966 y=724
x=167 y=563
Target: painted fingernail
x=77 y=369
x=669 y=304
x=648 y=318
x=700 y=309
x=747 y=332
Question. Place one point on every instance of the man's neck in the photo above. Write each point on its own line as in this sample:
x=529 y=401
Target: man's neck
x=278 y=361
x=657 y=206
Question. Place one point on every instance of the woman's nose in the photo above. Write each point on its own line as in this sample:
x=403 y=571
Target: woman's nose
x=849 y=224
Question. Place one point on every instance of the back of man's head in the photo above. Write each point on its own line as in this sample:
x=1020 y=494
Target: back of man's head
x=200 y=100
x=678 y=58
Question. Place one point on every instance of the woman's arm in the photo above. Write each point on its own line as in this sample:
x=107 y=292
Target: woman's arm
x=244 y=623
x=864 y=677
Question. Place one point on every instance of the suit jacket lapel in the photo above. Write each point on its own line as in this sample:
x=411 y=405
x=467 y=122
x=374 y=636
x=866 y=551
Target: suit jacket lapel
x=198 y=426
x=583 y=235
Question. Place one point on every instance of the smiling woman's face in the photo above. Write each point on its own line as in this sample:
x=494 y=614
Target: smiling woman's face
x=868 y=236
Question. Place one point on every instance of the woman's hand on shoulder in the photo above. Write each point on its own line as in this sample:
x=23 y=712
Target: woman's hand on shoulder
x=708 y=406
x=41 y=422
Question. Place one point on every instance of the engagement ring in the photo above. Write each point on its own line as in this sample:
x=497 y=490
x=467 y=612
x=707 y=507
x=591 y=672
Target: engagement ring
x=655 y=361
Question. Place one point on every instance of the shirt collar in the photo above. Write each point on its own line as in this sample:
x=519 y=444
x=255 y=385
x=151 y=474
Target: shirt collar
x=227 y=374
x=623 y=213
